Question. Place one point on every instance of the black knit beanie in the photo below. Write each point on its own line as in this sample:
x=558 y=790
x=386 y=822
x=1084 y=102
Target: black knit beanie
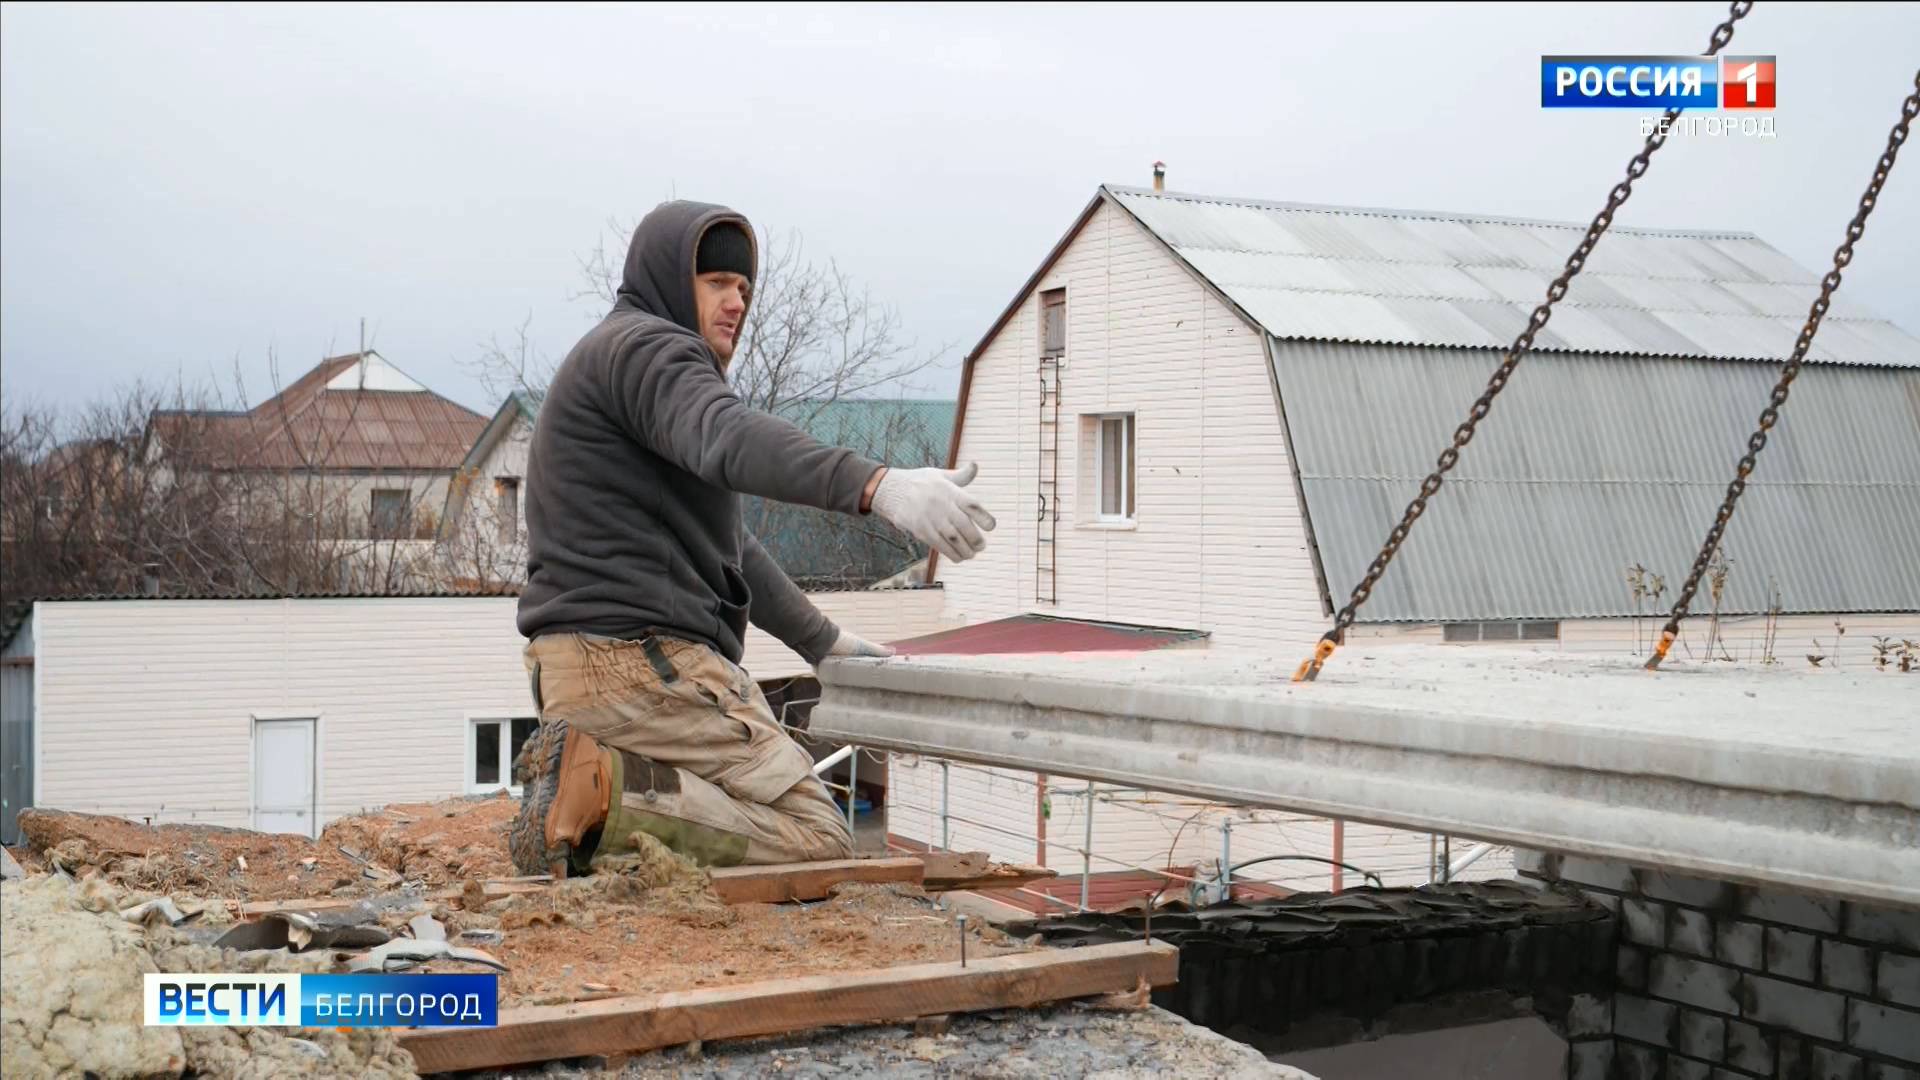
x=725 y=246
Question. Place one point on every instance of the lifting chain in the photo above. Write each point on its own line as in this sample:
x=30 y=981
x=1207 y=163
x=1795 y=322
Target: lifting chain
x=1310 y=668
x=1771 y=414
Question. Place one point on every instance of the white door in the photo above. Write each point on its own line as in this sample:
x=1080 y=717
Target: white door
x=283 y=776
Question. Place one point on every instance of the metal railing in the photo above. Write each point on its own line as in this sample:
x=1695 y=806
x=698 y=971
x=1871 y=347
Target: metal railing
x=1438 y=867
x=1187 y=818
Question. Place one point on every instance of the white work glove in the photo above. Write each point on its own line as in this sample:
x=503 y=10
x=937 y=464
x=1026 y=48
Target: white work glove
x=848 y=645
x=932 y=506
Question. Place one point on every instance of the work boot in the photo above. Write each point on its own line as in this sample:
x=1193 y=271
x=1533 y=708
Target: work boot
x=567 y=787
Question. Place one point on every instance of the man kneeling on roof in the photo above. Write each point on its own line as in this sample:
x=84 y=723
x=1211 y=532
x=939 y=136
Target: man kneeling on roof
x=641 y=578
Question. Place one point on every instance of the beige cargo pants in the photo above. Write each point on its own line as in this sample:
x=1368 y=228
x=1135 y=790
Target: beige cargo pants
x=698 y=759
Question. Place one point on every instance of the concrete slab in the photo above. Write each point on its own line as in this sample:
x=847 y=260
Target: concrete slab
x=1787 y=776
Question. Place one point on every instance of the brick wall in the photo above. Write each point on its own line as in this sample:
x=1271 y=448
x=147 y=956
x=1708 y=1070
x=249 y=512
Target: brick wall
x=1716 y=981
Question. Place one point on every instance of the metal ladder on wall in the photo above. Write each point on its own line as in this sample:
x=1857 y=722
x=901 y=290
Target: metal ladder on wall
x=1047 y=531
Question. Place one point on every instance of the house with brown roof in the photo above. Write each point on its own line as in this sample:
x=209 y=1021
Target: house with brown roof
x=333 y=483
x=387 y=445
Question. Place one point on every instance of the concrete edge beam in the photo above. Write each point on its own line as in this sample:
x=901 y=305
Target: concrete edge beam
x=1565 y=789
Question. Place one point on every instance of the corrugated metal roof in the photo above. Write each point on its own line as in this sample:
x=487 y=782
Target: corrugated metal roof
x=1326 y=273
x=310 y=426
x=914 y=430
x=1592 y=463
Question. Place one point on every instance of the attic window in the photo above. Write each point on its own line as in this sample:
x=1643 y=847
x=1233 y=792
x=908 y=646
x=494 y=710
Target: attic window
x=1500 y=631
x=1053 y=323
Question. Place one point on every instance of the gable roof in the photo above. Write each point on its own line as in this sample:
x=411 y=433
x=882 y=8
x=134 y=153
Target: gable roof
x=519 y=405
x=1620 y=458
x=351 y=412
x=1408 y=277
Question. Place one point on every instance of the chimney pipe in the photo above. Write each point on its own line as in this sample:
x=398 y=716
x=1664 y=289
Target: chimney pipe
x=1159 y=176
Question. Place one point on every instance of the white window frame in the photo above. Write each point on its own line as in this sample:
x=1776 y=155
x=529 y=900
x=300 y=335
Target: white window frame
x=1129 y=433
x=469 y=774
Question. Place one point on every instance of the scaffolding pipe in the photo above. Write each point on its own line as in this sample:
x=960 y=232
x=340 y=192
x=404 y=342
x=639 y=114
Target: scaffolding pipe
x=1040 y=819
x=828 y=762
x=853 y=784
x=1226 y=859
x=1086 y=855
x=1467 y=860
x=1340 y=856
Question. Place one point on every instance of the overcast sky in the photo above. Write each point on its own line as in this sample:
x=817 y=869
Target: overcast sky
x=184 y=189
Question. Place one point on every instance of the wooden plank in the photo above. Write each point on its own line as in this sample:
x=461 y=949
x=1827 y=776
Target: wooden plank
x=732 y=884
x=652 y=1021
x=955 y=871
x=998 y=877
x=807 y=881
x=942 y=865
x=257 y=908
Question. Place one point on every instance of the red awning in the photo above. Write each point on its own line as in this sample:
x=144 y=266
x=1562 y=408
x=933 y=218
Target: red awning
x=1043 y=634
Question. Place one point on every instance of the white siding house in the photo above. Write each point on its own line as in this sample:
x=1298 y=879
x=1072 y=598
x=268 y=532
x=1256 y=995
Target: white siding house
x=1243 y=395
x=285 y=714
x=1214 y=543
x=483 y=527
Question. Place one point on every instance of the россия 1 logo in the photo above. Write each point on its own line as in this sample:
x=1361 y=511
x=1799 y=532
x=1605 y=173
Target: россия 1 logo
x=1747 y=82
x=1657 y=82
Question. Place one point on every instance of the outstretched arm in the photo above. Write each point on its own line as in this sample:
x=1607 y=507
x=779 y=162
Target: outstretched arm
x=677 y=404
x=781 y=609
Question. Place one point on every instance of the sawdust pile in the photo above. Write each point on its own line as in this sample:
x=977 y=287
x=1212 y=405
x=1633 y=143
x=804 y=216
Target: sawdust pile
x=202 y=860
x=440 y=843
x=654 y=944
x=649 y=879
x=426 y=844
x=70 y=998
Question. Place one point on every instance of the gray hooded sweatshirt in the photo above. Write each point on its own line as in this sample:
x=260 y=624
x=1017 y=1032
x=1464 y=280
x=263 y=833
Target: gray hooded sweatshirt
x=639 y=457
